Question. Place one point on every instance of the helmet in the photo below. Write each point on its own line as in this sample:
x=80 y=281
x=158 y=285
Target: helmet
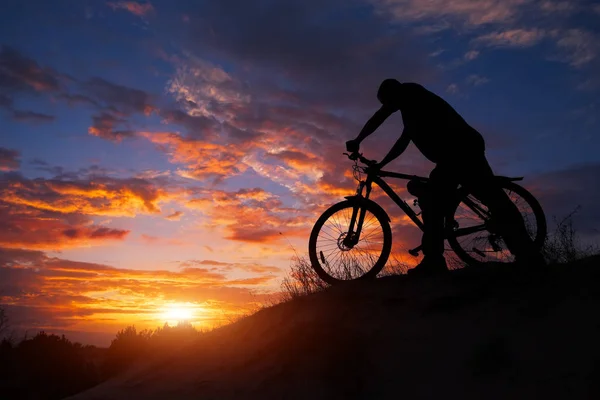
x=388 y=91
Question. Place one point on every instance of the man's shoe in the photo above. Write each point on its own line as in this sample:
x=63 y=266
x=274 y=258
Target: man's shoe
x=429 y=266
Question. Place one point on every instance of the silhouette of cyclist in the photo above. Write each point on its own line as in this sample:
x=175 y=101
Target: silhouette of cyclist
x=458 y=151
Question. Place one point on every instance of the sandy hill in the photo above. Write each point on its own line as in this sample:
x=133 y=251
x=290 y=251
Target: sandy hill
x=491 y=333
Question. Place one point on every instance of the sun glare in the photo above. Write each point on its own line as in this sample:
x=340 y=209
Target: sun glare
x=178 y=312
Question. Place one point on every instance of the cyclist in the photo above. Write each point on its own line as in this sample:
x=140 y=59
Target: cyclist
x=458 y=151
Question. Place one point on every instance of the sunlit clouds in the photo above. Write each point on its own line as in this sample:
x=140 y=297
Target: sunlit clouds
x=137 y=8
x=97 y=195
x=471 y=12
x=199 y=159
x=49 y=291
x=512 y=38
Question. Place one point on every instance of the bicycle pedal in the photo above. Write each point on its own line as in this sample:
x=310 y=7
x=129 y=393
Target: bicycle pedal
x=414 y=252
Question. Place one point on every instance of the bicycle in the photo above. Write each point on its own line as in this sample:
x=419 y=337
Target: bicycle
x=353 y=239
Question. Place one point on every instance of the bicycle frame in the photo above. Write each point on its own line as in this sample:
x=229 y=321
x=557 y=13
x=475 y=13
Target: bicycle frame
x=353 y=236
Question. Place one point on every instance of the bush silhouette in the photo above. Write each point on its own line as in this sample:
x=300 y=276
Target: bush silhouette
x=45 y=367
x=169 y=337
x=129 y=345
x=564 y=245
x=124 y=349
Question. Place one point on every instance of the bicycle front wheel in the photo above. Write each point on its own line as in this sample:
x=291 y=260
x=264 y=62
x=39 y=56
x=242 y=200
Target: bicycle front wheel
x=332 y=260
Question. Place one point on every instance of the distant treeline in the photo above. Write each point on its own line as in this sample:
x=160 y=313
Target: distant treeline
x=48 y=366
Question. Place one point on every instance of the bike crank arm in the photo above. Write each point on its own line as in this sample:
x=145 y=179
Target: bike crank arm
x=467 y=231
x=458 y=233
x=479 y=252
x=415 y=252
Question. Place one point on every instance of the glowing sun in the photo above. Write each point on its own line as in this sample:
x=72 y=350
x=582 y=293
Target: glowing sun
x=178 y=312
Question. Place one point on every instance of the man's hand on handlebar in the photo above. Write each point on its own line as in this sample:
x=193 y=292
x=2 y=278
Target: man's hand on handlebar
x=366 y=161
x=352 y=146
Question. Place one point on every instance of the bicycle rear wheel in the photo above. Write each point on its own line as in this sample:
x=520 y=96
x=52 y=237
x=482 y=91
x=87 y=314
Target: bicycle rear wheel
x=472 y=236
x=332 y=260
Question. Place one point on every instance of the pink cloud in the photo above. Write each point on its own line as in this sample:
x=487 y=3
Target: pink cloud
x=104 y=127
x=512 y=38
x=9 y=159
x=580 y=46
x=472 y=12
x=134 y=7
x=176 y=216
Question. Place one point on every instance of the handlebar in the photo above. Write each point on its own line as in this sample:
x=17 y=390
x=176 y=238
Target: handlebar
x=369 y=163
x=358 y=156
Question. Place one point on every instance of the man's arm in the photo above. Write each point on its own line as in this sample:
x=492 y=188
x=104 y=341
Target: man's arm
x=397 y=149
x=371 y=126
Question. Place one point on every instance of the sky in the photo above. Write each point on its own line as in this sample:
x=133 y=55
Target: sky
x=171 y=156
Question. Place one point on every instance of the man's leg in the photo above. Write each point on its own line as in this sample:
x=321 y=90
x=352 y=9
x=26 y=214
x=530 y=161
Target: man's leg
x=433 y=205
x=479 y=179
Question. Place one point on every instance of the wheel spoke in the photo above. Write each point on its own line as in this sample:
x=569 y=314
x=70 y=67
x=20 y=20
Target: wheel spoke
x=346 y=263
x=473 y=239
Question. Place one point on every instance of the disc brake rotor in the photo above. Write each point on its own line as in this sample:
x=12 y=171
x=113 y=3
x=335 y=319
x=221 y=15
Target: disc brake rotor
x=343 y=244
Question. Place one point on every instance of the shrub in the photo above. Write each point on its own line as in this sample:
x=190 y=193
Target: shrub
x=564 y=245
x=301 y=280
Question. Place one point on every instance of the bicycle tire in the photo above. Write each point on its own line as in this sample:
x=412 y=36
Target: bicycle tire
x=318 y=259
x=536 y=208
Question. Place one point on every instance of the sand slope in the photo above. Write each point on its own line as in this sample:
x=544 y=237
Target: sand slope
x=492 y=333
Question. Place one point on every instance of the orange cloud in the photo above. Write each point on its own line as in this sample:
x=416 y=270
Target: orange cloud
x=149 y=239
x=253 y=194
x=99 y=196
x=229 y=266
x=57 y=214
x=202 y=159
x=114 y=103
x=250 y=215
x=42 y=292
x=134 y=7
x=254 y=233
x=154 y=240
x=104 y=127
x=27 y=228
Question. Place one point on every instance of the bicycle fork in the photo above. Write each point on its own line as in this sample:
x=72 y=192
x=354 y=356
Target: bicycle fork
x=358 y=216
x=355 y=228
